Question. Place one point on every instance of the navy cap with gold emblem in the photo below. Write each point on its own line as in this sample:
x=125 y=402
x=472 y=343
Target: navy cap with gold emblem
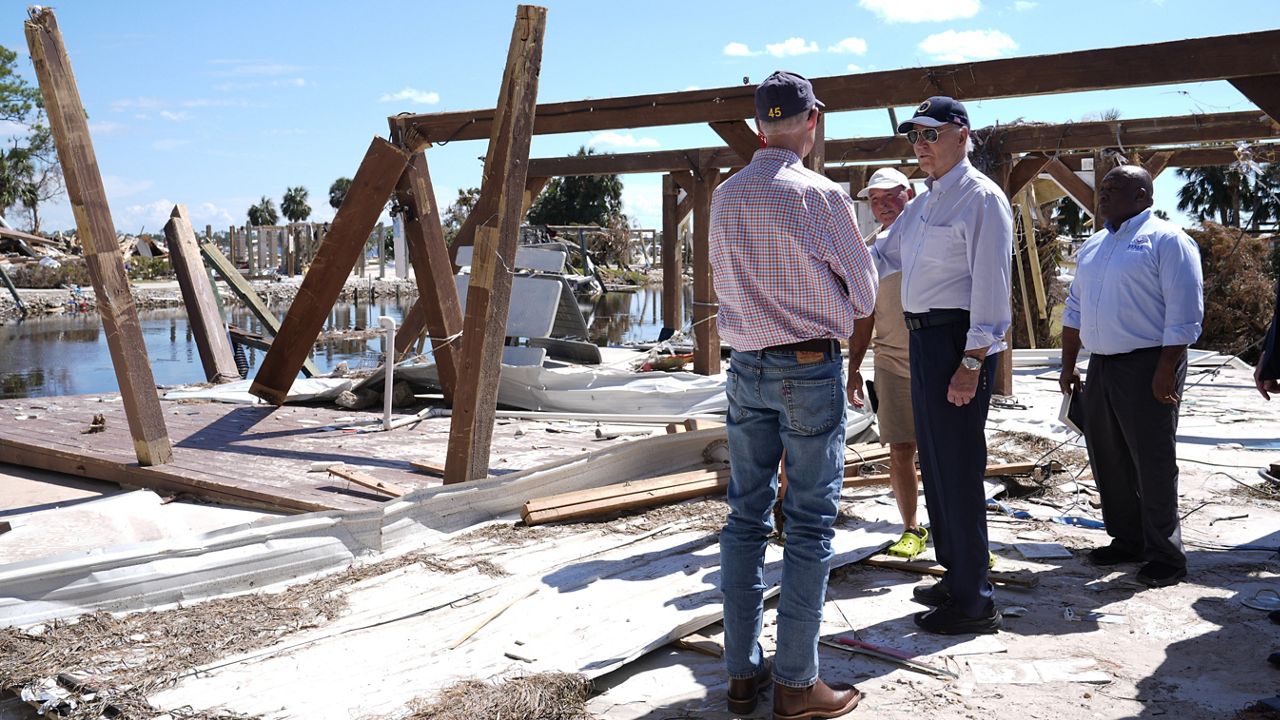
x=784 y=94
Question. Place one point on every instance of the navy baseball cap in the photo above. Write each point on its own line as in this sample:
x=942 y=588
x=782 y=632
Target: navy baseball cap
x=784 y=94
x=937 y=111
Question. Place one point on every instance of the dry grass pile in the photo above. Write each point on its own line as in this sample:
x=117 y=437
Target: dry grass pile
x=110 y=665
x=543 y=696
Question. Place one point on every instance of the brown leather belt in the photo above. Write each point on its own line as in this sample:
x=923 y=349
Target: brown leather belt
x=816 y=346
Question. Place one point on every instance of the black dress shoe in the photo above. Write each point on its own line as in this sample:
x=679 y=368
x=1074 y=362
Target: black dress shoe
x=743 y=692
x=1113 y=554
x=1156 y=574
x=931 y=595
x=947 y=620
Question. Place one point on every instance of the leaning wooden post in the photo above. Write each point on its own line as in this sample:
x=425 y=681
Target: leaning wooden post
x=197 y=294
x=115 y=303
x=382 y=166
x=706 y=351
x=672 y=263
x=489 y=292
x=440 y=309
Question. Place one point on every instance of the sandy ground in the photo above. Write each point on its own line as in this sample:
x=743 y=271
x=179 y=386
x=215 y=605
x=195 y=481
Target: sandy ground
x=1188 y=651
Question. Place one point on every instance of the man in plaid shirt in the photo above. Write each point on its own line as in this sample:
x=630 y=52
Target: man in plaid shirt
x=791 y=275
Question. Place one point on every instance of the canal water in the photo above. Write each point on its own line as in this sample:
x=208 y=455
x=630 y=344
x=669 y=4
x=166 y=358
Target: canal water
x=67 y=354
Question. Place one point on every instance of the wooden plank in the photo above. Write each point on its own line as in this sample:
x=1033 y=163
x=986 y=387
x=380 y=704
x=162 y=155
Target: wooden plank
x=1157 y=163
x=1023 y=172
x=1033 y=256
x=1263 y=91
x=243 y=290
x=207 y=326
x=1076 y=188
x=739 y=136
x=997 y=470
x=489 y=291
x=69 y=125
x=373 y=182
x=816 y=160
x=438 y=309
x=619 y=490
x=428 y=467
x=367 y=481
x=706 y=351
x=922 y=567
x=672 y=260
x=630 y=501
x=1196 y=60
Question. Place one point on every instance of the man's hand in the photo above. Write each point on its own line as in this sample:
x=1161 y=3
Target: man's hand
x=1162 y=384
x=1266 y=387
x=854 y=388
x=1069 y=379
x=964 y=385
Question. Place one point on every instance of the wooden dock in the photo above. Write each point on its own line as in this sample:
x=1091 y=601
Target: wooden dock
x=259 y=455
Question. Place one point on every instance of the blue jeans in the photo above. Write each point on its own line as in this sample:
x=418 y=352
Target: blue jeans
x=776 y=403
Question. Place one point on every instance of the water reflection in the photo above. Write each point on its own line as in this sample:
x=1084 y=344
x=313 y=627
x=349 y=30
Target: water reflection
x=68 y=355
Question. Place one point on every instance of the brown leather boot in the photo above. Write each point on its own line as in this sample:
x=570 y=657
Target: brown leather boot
x=819 y=700
x=743 y=692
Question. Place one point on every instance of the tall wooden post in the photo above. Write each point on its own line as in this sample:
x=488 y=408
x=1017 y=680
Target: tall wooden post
x=67 y=121
x=672 y=262
x=706 y=353
x=1003 y=384
x=197 y=294
x=438 y=302
x=489 y=293
x=382 y=166
x=817 y=159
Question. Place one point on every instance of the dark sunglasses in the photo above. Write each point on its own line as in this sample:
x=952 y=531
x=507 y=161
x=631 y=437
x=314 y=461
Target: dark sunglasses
x=930 y=135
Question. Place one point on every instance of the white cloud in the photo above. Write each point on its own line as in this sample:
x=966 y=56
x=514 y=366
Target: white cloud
x=175 y=116
x=420 y=97
x=1024 y=5
x=105 y=127
x=9 y=128
x=791 y=46
x=218 y=102
x=737 y=49
x=122 y=187
x=145 y=216
x=642 y=199
x=252 y=68
x=952 y=46
x=854 y=68
x=209 y=214
x=235 y=86
x=896 y=11
x=169 y=144
x=691 y=88
x=622 y=140
x=851 y=45
x=141 y=103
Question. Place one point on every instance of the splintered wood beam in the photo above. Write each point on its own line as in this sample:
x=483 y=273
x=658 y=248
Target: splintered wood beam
x=381 y=168
x=817 y=158
x=243 y=290
x=1157 y=163
x=672 y=260
x=1263 y=91
x=1023 y=172
x=69 y=125
x=706 y=351
x=207 y=325
x=439 y=309
x=1181 y=61
x=1033 y=258
x=739 y=136
x=489 y=290
x=1076 y=188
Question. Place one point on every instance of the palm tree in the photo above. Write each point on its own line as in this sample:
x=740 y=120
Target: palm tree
x=338 y=191
x=1220 y=190
x=294 y=205
x=16 y=170
x=264 y=213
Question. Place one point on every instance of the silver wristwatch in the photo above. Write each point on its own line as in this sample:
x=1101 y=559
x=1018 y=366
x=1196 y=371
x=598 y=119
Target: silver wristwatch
x=971 y=363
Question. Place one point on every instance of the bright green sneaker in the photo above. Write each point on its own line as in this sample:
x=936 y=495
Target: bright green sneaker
x=991 y=560
x=910 y=544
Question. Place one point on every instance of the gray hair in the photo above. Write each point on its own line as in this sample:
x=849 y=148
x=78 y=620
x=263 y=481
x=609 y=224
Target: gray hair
x=785 y=126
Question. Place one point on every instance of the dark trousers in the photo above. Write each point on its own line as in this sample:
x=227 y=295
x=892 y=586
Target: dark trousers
x=1132 y=451
x=953 y=459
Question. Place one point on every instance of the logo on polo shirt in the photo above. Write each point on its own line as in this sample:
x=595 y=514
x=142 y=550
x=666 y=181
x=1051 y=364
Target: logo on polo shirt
x=1141 y=242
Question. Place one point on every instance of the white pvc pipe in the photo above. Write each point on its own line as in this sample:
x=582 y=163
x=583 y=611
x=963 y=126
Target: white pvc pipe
x=389 y=325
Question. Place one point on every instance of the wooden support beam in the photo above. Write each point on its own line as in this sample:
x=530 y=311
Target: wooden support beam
x=672 y=262
x=438 y=308
x=739 y=136
x=69 y=125
x=1157 y=162
x=207 y=325
x=1026 y=300
x=625 y=496
x=1263 y=91
x=373 y=182
x=1076 y=188
x=817 y=158
x=1102 y=165
x=243 y=290
x=367 y=481
x=1033 y=256
x=684 y=180
x=532 y=189
x=706 y=350
x=1197 y=60
x=489 y=291
x=1024 y=171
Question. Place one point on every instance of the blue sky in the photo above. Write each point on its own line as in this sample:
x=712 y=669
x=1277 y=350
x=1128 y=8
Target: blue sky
x=217 y=104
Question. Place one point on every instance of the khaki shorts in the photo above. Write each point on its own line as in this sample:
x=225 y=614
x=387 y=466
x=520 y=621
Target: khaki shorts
x=893 y=412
